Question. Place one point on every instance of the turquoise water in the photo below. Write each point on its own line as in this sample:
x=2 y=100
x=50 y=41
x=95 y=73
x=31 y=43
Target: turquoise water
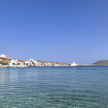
x=54 y=87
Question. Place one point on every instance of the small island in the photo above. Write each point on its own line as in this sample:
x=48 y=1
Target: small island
x=101 y=63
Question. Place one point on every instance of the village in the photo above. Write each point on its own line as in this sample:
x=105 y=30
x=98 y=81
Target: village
x=11 y=62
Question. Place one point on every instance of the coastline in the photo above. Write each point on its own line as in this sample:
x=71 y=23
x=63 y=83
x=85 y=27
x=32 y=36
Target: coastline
x=6 y=62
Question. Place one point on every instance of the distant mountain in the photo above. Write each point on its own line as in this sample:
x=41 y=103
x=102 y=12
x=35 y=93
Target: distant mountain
x=101 y=63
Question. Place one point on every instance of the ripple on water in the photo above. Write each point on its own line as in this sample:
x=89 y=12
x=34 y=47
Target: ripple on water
x=54 y=87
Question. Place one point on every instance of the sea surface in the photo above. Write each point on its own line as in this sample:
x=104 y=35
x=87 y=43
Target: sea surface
x=54 y=87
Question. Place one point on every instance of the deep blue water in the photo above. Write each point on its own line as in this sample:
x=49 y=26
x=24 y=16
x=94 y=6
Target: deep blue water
x=54 y=87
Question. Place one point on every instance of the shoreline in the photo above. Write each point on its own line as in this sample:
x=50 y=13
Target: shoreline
x=54 y=66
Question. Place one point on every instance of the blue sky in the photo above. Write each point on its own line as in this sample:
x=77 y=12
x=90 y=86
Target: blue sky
x=54 y=30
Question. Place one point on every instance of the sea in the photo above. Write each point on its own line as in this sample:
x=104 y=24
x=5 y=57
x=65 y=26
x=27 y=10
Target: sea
x=54 y=87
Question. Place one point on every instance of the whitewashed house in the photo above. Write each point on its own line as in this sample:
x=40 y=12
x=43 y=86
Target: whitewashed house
x=32 y=62
x=27 y=63
x=13 y=62
x=16 y=63
x=3 y=55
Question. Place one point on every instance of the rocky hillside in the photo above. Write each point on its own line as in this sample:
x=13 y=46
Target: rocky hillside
x=101 y=63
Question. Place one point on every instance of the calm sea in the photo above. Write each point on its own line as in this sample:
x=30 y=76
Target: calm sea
x=54 y=87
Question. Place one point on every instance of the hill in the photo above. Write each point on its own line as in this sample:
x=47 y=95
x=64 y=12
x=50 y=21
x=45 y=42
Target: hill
x=6 y=61
x=101 y=63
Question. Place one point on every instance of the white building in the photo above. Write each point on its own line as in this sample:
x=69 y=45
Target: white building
x=13 y=62
x=56 y=65
x=32 y=62
x=3 y=55
x=16 y=63
x=74 y=64
x=27 y=63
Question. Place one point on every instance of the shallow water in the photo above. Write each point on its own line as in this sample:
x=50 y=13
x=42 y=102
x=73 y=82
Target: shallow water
x=54 y=87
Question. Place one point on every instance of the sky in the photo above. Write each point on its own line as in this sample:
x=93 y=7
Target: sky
x=54 y=30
